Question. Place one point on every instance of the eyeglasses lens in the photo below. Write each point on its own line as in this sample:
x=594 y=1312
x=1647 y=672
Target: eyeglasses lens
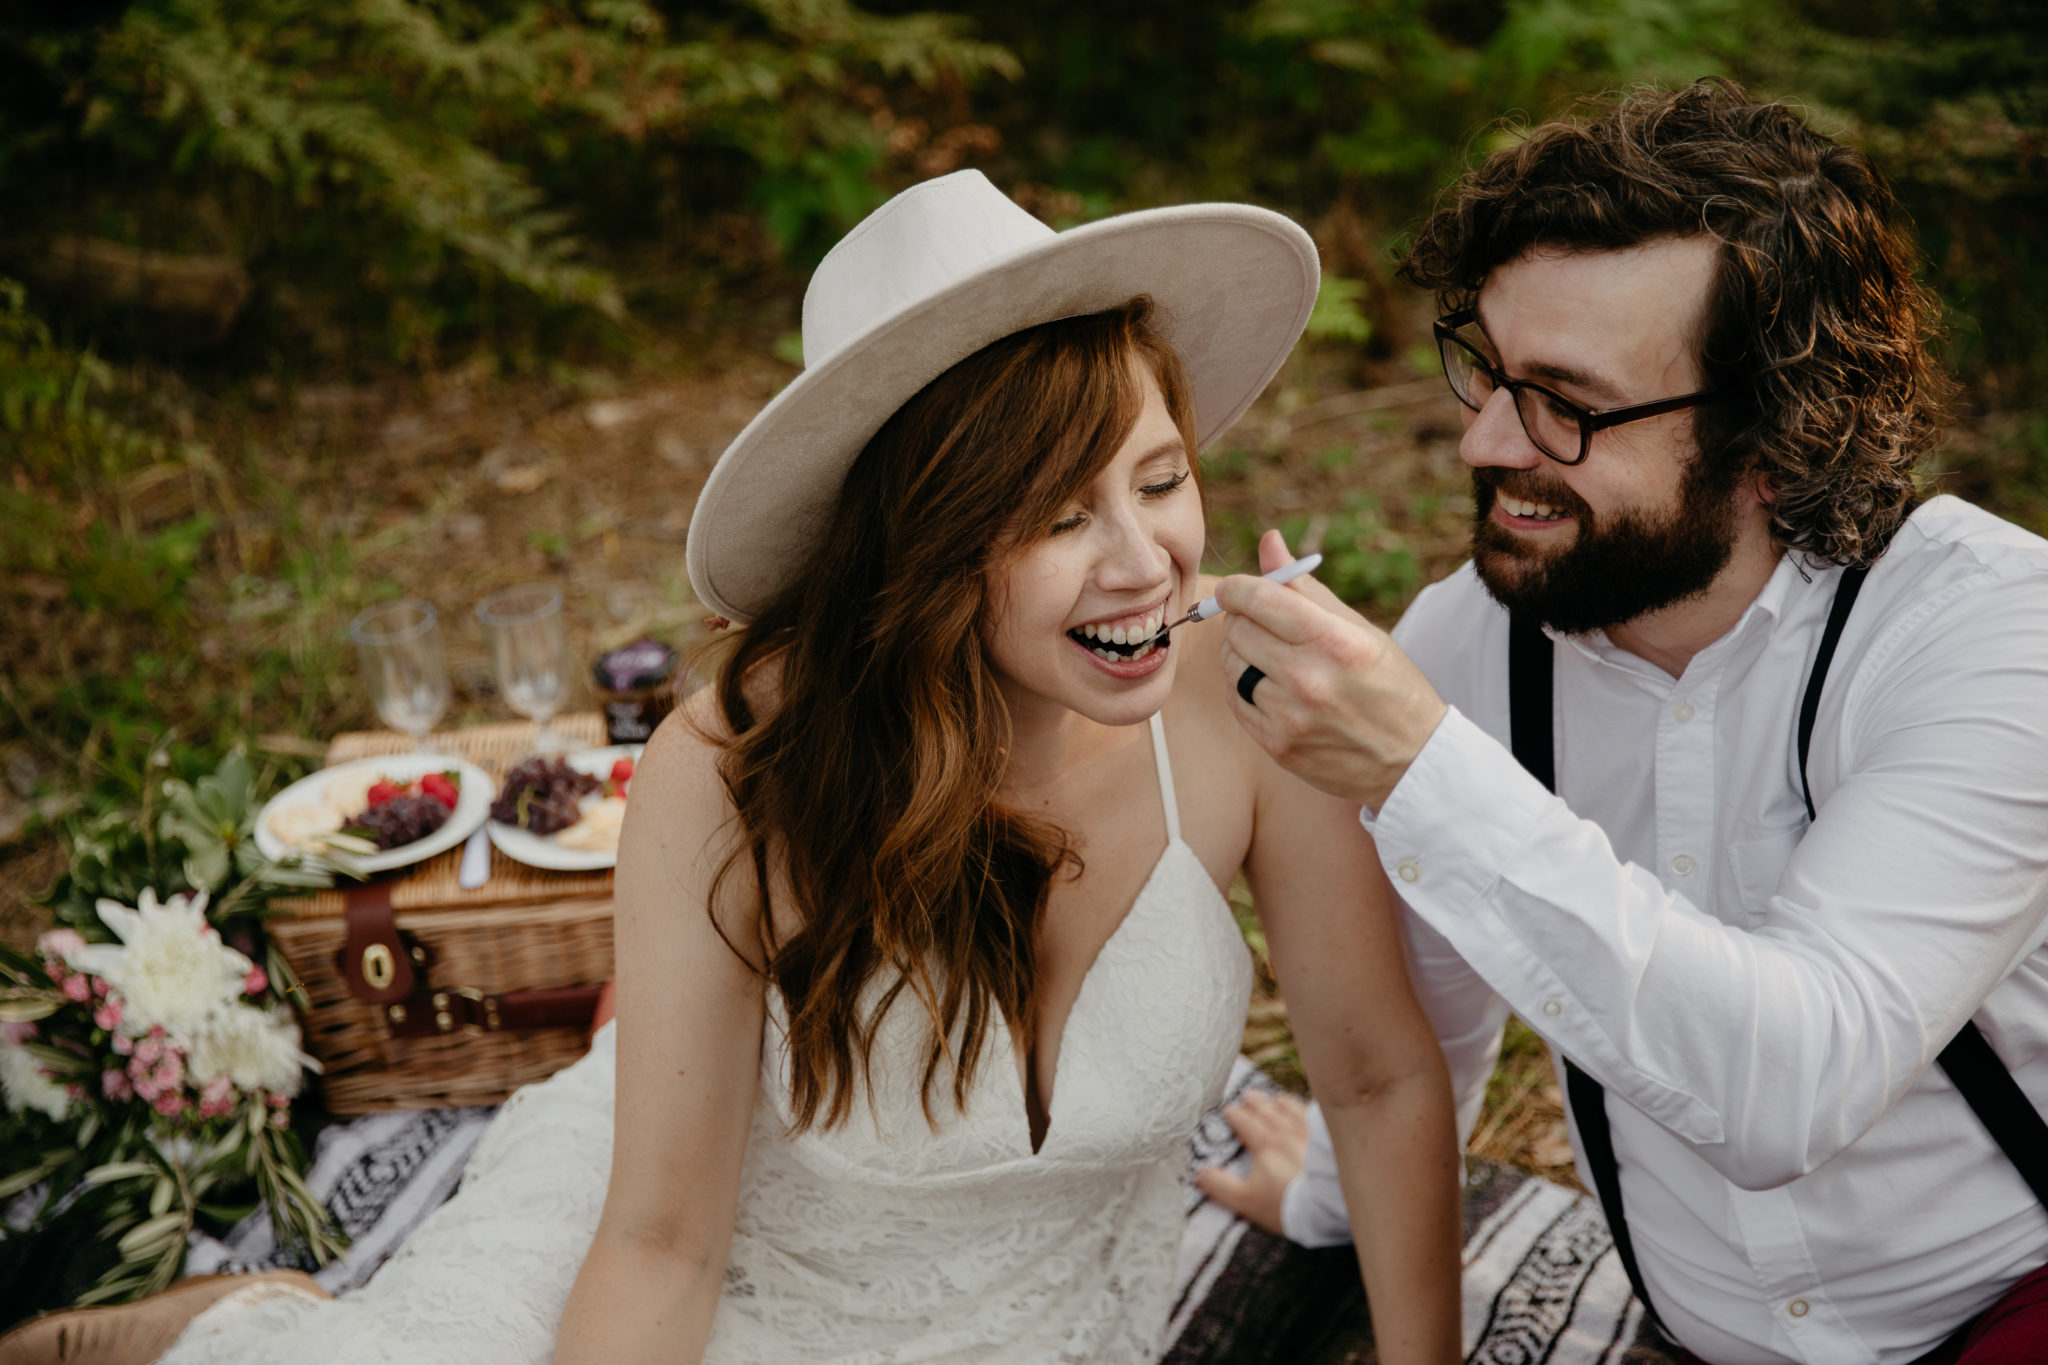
x=1554 y=427
x=1469 y=379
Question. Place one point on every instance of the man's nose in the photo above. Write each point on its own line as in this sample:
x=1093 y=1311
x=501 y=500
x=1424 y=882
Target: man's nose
x=1495 y=436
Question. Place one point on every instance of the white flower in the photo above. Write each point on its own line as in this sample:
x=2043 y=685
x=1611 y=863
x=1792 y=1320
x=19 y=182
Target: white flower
x=257 y=1049
x=170 y=967
x=25 y=1087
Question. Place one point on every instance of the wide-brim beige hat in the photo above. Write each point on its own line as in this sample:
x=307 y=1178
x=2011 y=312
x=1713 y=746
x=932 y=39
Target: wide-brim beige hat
x=934 y=275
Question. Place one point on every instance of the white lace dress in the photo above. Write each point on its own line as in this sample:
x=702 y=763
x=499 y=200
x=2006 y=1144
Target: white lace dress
x=878 y=1242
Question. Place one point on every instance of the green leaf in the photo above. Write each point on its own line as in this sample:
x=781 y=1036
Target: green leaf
x=119 y=1170
x=145 y=1238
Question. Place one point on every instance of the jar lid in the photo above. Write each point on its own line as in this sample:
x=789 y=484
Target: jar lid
x=643 y=663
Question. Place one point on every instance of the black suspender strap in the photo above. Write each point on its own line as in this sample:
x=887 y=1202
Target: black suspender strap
x=1531 y=674
x=1831 y=635
x=1985 y=1083
x=1986 y=1086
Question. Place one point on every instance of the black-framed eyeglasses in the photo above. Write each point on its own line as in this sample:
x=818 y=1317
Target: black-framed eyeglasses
x=1556 y=426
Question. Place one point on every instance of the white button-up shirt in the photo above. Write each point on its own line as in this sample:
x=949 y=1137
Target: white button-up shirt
x=1763 y=1001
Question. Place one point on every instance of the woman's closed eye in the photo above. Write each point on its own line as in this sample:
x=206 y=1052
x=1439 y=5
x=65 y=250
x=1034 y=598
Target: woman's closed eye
x=1149 y=491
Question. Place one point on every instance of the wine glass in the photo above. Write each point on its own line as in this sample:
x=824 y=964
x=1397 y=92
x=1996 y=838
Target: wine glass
x=403 y=663
x=524 y=626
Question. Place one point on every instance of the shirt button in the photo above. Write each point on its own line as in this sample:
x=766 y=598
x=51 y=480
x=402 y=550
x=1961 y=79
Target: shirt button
x=1407 y=870
x=1798 y=1308
x=1552 y=1008
x=1683 y=865
x=1682 y=712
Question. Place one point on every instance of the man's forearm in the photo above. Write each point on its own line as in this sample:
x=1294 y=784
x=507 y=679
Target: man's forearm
x=1398 y=1163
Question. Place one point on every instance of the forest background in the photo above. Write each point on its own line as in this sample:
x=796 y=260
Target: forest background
x=305 y=306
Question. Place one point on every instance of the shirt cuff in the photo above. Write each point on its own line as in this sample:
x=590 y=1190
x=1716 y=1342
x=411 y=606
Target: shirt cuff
x=1441 y=847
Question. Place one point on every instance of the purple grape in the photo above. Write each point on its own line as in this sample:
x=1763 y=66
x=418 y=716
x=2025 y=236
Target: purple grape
x=543 y=796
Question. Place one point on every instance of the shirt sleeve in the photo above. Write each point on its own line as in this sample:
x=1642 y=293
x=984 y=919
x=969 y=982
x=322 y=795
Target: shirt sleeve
x=1922 y=884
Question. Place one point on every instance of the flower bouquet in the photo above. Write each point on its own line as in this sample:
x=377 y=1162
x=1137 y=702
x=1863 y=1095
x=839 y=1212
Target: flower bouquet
x=148 y=1059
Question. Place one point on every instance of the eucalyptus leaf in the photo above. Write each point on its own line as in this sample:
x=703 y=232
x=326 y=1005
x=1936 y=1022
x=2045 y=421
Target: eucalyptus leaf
x=119 y=1170
x=14 y=1183
x=148 y=1235
x=26 y=1009
x=160 y=1197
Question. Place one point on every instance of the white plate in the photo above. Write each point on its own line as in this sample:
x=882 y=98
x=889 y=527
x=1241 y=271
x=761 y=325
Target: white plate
x=472 y=806
x=541 y=850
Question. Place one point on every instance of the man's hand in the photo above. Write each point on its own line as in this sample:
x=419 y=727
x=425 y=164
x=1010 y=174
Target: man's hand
x=1340 y=707
x=1274 y=1130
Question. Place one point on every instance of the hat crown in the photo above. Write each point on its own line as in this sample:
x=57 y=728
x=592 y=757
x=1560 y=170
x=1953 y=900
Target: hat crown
x=929 y=237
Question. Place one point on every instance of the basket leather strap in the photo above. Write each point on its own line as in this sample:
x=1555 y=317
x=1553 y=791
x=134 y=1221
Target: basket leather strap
x=378 y=966
x=374 y=961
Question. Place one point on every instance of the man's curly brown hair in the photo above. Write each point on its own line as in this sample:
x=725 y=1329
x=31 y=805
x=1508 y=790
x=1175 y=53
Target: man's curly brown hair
x=1816 y=330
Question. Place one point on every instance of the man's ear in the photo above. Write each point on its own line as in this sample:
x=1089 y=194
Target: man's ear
x=1766 y=491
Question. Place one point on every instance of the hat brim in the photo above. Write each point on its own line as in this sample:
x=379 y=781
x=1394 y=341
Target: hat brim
x=1233 y=286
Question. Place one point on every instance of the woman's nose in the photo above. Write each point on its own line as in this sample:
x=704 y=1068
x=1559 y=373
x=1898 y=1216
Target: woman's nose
x=1134 y=560
x=1494 y=435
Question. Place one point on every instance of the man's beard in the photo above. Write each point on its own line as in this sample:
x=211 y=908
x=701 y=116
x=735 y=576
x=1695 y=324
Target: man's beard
x=1615 y=570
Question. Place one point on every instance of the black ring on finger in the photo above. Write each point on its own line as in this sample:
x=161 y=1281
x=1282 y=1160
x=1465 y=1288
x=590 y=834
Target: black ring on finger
x=1248 y=680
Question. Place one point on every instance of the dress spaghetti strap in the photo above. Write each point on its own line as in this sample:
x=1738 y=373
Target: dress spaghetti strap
x=1165 y=765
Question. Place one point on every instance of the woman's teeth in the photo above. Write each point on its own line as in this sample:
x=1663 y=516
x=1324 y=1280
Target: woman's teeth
x=1534 y=511
x=1128 y=639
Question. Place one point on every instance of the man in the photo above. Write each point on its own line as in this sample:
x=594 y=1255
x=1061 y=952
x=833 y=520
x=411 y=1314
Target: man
x=1691 y=356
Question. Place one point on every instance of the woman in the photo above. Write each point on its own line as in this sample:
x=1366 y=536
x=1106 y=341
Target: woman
x=925 y=969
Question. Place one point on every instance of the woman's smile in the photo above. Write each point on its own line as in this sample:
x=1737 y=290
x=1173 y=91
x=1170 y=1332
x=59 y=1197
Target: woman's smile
x=1127 y=645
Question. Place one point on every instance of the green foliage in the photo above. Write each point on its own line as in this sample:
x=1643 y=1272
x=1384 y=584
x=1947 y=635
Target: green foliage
x=1366 y=561
x=417 y=165
x=1337 y=315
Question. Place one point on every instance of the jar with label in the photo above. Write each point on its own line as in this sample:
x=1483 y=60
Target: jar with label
x=638 y=685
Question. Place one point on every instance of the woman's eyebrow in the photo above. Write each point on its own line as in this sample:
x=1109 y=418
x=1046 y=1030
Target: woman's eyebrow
x=1563 y=374
x=1172 y=445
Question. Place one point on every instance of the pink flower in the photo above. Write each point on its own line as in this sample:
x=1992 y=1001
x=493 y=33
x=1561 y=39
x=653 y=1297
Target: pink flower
x=255 y=982
x=217 y=1097
x=277 y=1101
x=149 y=1049
x=78 y=988
x=75 y=1091
x=60 y=943
x=115 y=1085
x=123 y=1045
x=108 y=1016
x=17 y=1032
x=101 y=988
x=169 y=1103
x=281 y=1119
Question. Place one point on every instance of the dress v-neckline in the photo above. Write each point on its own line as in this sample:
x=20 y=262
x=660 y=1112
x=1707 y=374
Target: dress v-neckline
x=1081 y=994
x=1170 y=806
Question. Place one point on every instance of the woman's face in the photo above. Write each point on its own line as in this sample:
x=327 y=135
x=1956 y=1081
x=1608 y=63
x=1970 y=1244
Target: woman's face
x=1074 y=611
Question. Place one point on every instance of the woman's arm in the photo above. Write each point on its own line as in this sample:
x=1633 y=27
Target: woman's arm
x=689 y=1047
x=1374 y=1064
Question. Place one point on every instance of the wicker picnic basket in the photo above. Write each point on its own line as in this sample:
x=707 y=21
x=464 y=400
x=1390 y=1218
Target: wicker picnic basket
x=419 y=994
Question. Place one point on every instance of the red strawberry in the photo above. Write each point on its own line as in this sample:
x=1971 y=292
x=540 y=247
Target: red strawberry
x=441 y=787
x=383 y=791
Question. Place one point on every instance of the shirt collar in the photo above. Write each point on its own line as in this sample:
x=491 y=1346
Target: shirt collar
x=1762 y=615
